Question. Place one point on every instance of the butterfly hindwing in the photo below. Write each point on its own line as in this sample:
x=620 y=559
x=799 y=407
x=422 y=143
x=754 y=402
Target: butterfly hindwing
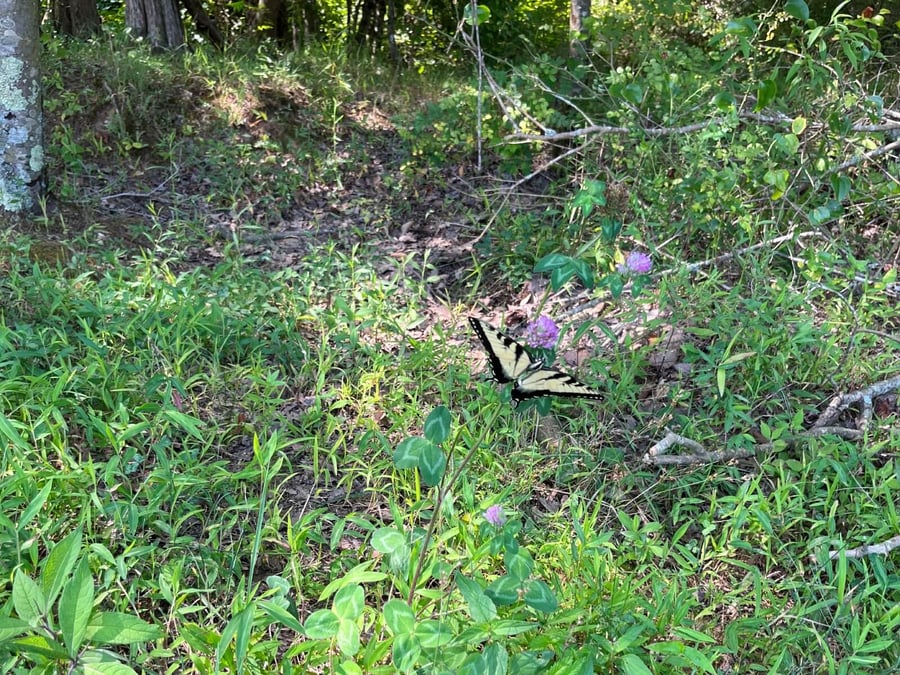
x=510 y=362
x=545 y=382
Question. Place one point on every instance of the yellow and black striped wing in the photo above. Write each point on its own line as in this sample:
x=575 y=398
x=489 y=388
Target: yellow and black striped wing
x=509 y=360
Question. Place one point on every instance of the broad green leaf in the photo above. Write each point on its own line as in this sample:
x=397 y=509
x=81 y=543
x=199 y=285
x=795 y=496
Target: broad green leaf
x=185 y=422
x=798 y=125
x=107 y=668
x=361 y=574
x=765 y=93
x=323 y=624
x=539 y=596
x=59 y=564
x=797 y=9
x=560 y=276
x=633 y=93
x=10 y=628
x=481 y=607
x=75 y=605
x=405 y=652
x=691 y=634
x=432 y=633
x=512 y=627
x=409 y=451
x=496 y=659
x=481 y=15
x=551 y=262
x=519 y=565
x=40 y=645
x=349 y=602
x=432 y=464
x=348 y=668
x=840 y=185
x=819 y=215
x=399 y=617
x=437 y=425
x=28 y=599
x=631 y=664
x=348 y=637
x=504 y=591
x=35 y=505
x=388 y=540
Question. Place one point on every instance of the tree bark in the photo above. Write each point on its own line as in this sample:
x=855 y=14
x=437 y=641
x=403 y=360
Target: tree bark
x=157 y=20
x=579 y=10
x=76 y=18
x=21 y=116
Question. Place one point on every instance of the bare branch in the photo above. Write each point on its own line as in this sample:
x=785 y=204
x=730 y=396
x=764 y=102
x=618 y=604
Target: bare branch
x=882 y=548
x=843 y=401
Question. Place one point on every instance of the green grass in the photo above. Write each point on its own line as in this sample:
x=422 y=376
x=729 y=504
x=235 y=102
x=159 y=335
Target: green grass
x=220 y=460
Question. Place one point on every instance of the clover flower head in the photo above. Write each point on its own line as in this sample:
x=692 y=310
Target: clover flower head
x=542 y=333
x=494 y=515
x=637 y=263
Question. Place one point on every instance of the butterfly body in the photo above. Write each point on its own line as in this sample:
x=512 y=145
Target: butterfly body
x=510 y=362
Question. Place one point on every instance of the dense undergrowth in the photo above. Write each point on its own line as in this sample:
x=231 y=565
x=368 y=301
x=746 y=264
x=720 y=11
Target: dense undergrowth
x=242 y=431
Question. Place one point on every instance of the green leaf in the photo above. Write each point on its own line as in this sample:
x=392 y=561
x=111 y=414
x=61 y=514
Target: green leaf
x=348 y=668
x=399 y=617
x=10 y=628
x=107 y=668
x=361 y=574
x=819 y=215
x=797 y=9
x=119 y=628
x=519 y=565
x=432 y=464
x=323 y=624
x=437 y=425
x=281 y=615
x=551 y=262
x=348 y=637
x=39 y=645
x=482 y=14
x=8 y=431
x=75 y=605
x=798 y=125
x=407 y=454
x=405 y=652
x=349 y=602
x=496 y=659
x=765 y=93
x=388 y=540
x=432 y=633
x=481 y=607
x=560 y=276
x=539 y=596
x=840 y=185
x=504 y=591
x=631 y=664
x=633 y=93
x=59 y=564
x=28 y=600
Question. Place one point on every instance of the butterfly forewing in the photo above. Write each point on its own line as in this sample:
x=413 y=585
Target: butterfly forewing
x=508 y=358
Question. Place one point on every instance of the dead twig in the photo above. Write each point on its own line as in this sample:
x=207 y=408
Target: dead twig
x=843 y=401
x=882 y=548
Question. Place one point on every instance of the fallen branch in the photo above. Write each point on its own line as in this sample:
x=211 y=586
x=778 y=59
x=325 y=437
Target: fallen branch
x=843 y=401
x=657 y=456
x=883 y=548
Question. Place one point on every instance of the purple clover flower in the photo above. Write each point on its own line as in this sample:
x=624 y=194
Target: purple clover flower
x=542 y=333
x=494 y=515
x=636 y=263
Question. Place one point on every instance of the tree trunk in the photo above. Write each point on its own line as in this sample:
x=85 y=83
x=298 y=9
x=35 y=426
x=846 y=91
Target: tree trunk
x=579 y=10
x=76 y=18
x=21 y=117
x=157 y=20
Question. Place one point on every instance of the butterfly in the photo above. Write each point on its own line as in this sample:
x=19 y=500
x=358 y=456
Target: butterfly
x=510 y=362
